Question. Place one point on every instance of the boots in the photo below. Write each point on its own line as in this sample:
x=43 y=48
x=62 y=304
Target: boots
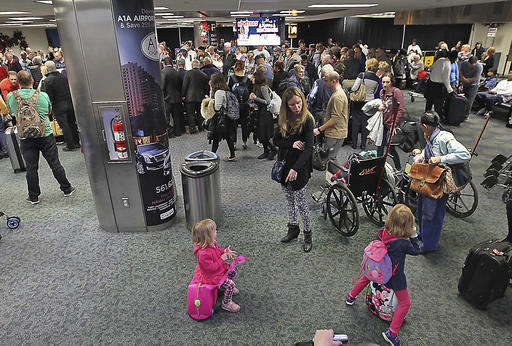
x=308 y=243
x=293 y=232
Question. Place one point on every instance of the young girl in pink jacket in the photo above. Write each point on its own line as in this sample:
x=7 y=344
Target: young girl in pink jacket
x=211 y=265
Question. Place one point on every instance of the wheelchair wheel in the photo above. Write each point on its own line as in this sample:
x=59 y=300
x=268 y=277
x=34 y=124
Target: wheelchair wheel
x=411 y=198
x=377 y=207
x=342 y=210
x=13 y=222
x=463 y=203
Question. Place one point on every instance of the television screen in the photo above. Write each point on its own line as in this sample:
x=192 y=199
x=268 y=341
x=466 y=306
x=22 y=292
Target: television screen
x=256 y=31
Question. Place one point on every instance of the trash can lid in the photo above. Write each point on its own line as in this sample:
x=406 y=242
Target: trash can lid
x=202 y=155
x=198 y=169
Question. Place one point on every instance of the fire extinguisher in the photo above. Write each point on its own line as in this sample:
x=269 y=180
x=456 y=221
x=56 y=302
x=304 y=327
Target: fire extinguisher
x=119 y=138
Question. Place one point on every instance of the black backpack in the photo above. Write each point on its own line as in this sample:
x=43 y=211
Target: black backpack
x=283 y=85
x=241 y=90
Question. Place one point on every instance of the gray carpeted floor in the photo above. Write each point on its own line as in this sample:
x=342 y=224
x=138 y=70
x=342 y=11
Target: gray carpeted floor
x=65 y=281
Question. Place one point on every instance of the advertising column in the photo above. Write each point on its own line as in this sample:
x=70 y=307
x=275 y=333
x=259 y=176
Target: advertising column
x=140 y=66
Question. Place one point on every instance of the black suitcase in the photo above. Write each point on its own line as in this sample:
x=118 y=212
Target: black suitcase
x=486 y=273
x=13 y=148
x=457 y=109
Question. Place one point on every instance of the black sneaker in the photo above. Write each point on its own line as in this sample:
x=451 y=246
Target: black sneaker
x=33 y=200
x=70 y=192
x=68 y=149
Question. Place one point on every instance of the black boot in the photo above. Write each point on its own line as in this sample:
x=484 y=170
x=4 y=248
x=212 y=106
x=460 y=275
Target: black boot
x=308 y=242
x=293 y=232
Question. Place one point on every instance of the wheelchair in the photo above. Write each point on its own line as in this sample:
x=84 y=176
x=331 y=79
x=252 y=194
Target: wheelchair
x=359 y=181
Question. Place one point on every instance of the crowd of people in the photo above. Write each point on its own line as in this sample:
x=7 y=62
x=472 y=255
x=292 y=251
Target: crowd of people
x=323 y=90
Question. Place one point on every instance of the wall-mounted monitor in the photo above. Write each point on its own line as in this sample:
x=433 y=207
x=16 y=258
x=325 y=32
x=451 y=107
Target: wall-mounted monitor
x=256 y=31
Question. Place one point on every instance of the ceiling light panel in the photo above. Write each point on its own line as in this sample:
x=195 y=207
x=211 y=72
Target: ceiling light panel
x=46 y=2
x=12 y=13
x=343 y=6
x=25 y=18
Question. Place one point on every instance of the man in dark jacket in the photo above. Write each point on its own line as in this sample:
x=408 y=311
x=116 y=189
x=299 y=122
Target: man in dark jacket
x=57 y=88
x=195 y=87
x=171 y=88
x=35 y=70
x=12 y=64
x=209 y=68
x=228 y=59
x=310 y=69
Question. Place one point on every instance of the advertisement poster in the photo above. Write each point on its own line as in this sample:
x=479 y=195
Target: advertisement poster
x=140 y=66
x=255 y=31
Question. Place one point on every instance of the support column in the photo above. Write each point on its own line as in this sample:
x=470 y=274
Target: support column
x=119 y=107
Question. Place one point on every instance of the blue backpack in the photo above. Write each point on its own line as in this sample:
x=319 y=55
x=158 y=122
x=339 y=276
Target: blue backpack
x=232 y=110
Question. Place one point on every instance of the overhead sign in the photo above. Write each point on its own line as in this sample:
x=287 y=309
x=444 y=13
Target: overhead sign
x=292 y=31
x=492 y=32
x=256 y=31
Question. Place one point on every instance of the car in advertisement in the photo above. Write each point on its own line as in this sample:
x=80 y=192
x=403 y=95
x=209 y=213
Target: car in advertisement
x=152 y=157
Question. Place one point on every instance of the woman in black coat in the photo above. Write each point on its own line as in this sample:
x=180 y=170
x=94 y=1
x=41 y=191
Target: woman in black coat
x=261 y=96
x=295 y=141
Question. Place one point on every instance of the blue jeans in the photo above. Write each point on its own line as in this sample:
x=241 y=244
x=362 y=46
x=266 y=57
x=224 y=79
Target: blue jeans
x=30 y=148
x=3 y=144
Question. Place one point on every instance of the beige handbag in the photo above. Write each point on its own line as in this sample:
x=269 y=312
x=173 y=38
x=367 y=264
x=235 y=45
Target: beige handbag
x=360 y=94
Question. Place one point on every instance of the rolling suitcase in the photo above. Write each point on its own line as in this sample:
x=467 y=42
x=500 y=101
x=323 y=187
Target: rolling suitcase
x=13 y=148
x=457 y=109
x=486 y=272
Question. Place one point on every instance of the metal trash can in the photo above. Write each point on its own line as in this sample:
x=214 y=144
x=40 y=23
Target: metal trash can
x=200 y=180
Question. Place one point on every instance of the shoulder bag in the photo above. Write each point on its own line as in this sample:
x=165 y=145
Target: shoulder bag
x=277 y=169
x=428 y=180
x=360 y=94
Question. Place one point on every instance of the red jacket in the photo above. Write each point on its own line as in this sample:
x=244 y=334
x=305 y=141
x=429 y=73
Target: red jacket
x=6 y=87
x=3 y=73
x=210 y=267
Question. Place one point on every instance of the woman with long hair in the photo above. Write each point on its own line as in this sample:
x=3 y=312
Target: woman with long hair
x=478 y=51
x=295 y=141
x=392 y=98
x=488 y=60
x=261 y=96
x=241 y=85
x=219 y=90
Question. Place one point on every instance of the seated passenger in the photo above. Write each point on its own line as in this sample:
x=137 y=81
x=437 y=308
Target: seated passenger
x=500 y=94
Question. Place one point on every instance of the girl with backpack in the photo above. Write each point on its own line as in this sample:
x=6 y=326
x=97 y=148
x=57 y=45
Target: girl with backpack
x=241 y=86
x=399 y=236
x=225 y=126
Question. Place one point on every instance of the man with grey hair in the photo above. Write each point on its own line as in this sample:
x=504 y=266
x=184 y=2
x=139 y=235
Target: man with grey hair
x=195 y=87
x=12 y=63
x=336 y=116
x=35 y=70
x=326 y=60
x=228 y=59
x=295 y=78
x=319 y=96
x=57 y=87
x=209 y=68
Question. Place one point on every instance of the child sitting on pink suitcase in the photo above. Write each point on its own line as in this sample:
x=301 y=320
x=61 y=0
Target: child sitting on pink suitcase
x=399 y=234
x=211 y=265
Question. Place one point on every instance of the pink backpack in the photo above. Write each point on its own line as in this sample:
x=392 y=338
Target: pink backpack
x=201 y=298
x=376 y=265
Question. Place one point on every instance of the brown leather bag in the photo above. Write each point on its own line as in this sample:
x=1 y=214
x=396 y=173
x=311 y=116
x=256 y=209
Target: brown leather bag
x=427 y=179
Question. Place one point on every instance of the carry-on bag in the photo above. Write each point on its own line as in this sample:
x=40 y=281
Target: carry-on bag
x=486 y=272
x=201 y=298
x=457 y=109
x=13 y=149
x=381 y=301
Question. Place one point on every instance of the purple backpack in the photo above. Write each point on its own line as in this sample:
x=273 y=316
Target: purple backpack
x=376 y=265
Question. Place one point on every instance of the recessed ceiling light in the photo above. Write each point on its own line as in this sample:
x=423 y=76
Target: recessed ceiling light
x=240 y=15
x=343 y=5
x=20 y=22
x=8 y=24
x=47 y=2
x=241 y=12
x=164 y=14
x=25 y=18
x=161 y=8
x=10 y=13
x=292 y=11
x=53 y=20
x=172 y=17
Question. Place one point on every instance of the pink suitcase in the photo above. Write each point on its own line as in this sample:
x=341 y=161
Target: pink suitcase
x=201 y=298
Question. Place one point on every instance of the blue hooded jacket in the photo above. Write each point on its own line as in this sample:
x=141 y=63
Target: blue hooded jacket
x=398 y=248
